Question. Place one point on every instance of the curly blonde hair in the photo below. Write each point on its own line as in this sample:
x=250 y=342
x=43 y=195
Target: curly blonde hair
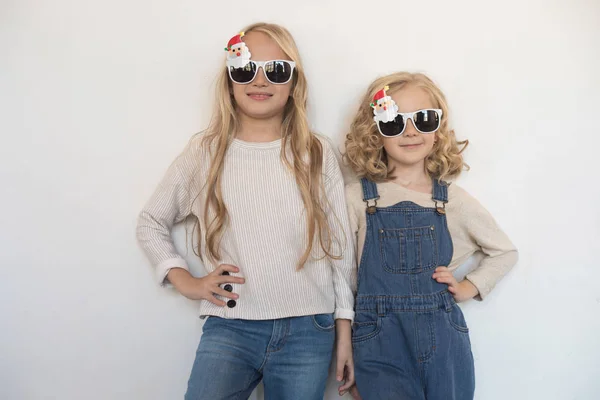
x=364 y=144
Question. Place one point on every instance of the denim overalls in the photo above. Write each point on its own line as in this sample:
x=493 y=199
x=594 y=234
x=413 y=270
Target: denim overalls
x=410 y=338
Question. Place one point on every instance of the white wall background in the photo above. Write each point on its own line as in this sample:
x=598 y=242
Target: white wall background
x=98 y=97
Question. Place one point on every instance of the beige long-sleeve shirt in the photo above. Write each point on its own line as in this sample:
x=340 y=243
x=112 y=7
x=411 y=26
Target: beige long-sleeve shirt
x=265 y=236
x=471 y=227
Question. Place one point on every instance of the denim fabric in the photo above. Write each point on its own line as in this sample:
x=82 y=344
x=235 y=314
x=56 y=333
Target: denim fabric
x=410 y=338
x=291 y=356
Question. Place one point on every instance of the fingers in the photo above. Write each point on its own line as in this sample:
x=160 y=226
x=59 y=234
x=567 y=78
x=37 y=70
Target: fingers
x=225 y=267
x=449 y=280
x=216 y=301
x=220 y=276
x=349 y=375
x=342 y=390
x=230 y=279
x=339 y=371
x=350 y=381
x=443 y=275
x=355 y=394
x=438 y=275
x=224 y=293
x=347 y=385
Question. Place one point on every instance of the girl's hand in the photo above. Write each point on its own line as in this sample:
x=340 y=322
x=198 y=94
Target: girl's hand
x=345 y=361
x=207 y=287
x=354 y=393
x=461 y=291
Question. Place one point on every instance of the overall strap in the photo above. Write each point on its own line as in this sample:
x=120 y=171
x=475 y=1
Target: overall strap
x=440 y=194
x=369 y=190
x=370 y=193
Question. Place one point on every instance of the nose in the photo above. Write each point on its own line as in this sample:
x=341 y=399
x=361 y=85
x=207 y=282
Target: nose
x=260 y=80
x=410 y=129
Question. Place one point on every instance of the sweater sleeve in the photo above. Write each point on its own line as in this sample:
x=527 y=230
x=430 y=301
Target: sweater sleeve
x=344 y=268
x=169 y=204
x=500 y=254
x=353 y=220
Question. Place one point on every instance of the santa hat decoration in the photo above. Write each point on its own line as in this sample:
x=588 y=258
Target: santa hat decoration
x=379 y=95
x=237 y=39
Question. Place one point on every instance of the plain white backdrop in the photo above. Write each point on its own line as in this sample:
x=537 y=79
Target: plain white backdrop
x=98 y=97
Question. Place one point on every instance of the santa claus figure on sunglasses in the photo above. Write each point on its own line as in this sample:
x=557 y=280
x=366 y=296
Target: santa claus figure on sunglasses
x=384 y=107
x=238 y=55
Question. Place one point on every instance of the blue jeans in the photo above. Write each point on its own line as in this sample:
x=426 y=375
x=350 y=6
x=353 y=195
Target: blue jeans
x=291 y=356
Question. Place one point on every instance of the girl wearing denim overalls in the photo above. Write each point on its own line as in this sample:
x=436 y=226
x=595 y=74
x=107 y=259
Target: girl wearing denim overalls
x=268 y=197
x=413 y=229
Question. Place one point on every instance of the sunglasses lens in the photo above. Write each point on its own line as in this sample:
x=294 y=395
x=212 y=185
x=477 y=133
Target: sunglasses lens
x=278 y=71
x=427 y=121
x=244 y=74
x=392 y=128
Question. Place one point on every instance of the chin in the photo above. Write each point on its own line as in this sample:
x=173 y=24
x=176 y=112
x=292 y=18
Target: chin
x=413 y=159
x=260 y=111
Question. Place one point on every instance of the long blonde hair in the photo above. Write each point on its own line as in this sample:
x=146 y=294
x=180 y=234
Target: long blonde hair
x=364 y=145
x=305 y=147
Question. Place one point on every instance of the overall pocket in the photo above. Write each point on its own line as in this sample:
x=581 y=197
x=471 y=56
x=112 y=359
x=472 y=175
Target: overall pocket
x=408 y=250
x=366 y=326
x=456 y=319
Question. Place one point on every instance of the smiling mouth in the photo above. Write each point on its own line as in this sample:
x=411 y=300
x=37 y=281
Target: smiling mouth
x=411 y=145
x=260 y=96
